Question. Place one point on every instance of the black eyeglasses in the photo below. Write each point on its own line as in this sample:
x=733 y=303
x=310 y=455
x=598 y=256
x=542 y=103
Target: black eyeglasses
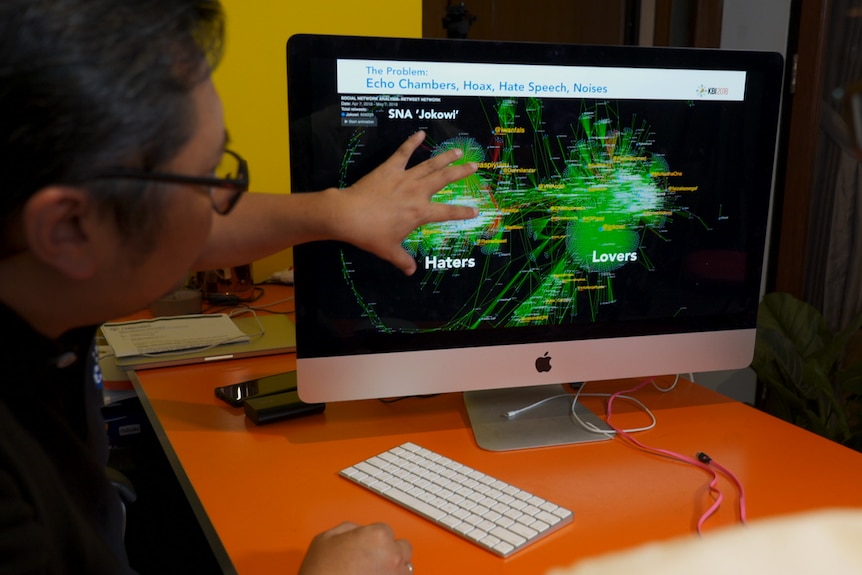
x=229 y=182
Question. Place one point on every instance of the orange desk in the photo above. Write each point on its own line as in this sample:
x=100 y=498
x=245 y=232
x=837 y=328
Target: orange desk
x=262 y=493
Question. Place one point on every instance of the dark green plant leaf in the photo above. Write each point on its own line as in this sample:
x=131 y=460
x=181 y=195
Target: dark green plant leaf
x=850 y=379
x=798 y=359
x=830 y=401
x=798 y=321
x=837 y=344
x=783 y=355
x=815 y=380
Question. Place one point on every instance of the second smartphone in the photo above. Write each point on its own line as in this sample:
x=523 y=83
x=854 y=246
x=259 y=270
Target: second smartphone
x=237 y=393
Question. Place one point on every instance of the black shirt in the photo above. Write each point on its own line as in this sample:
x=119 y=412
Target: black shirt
x=58 y=511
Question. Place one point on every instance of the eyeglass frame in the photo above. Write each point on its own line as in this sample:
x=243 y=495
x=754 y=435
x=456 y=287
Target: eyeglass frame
x=238 y=185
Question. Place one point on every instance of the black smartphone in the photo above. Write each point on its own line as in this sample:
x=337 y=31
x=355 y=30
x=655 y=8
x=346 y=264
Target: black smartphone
x=278 y=406
x=237 y=393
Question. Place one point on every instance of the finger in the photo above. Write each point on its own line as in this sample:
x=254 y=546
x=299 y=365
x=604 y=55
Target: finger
x=405 y=151
x=406 y=549
x=444 y=212
x=437 y=163
x=384 y=528
x=403 y=261
x=343 y=528
x=435 y=181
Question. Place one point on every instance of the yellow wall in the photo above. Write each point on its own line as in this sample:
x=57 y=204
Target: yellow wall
x=252 y=77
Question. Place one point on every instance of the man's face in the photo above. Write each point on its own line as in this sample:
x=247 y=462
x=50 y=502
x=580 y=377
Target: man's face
x=185 y=223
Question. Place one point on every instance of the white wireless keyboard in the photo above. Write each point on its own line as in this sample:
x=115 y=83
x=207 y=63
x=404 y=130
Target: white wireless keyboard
x=482 y=509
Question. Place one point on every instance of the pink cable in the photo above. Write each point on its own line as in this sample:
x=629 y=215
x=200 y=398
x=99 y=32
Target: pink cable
x=703 y=462
x=742 y=506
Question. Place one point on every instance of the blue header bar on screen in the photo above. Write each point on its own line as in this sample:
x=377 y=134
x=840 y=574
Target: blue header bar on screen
x=516 y=80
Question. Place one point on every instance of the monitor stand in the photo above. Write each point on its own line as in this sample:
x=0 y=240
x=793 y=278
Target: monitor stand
x=546 y=425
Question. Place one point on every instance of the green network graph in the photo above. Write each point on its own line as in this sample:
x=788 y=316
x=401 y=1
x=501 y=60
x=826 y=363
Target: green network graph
x=559 y=215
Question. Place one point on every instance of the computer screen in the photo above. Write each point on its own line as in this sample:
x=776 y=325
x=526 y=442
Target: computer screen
x=623 y=195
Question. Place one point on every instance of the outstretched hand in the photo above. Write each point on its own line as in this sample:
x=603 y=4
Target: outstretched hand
x=383 y=207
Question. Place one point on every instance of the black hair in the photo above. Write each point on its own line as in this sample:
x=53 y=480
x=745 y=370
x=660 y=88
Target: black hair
x=87 y=85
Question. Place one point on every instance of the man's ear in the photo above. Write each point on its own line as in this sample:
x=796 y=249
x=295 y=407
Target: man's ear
x=57 y=222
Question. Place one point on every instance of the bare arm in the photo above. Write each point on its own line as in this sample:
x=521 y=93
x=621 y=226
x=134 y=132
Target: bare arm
x=375 y=214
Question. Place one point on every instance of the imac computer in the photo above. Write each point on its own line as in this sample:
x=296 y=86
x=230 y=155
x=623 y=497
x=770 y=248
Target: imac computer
x=622 y=193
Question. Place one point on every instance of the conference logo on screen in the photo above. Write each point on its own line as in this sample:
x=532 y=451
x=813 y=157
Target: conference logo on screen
x=705 y=91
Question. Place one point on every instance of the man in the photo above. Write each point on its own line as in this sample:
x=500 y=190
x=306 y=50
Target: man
x=111 y=130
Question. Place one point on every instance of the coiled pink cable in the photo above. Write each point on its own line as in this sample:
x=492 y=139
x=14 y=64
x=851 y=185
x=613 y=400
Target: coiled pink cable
x=703 y=461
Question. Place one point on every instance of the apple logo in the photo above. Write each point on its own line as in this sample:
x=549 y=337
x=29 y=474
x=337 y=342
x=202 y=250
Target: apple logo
x=543 y=363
